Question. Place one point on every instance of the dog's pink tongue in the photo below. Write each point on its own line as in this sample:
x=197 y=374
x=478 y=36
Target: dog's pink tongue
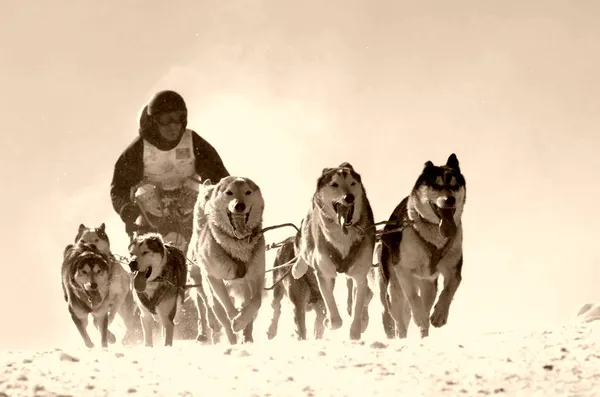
x=447 y=225
x=342 y=218
x=139 y=282
x=239 y=222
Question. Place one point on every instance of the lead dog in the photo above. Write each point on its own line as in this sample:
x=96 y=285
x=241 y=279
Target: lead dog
x=428 y=244
x=160 y=275
x=231 y=252
x=338 y=236
x=92 y=284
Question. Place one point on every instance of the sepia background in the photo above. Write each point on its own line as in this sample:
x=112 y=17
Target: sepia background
x=283 y=89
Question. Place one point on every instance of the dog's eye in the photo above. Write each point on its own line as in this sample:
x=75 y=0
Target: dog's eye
x=229 y=193
x=334 y=184
x=353 y=184
x=248 y=192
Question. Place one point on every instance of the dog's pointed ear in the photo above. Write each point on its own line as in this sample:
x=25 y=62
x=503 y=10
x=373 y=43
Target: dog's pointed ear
x=428 y=164
x=66 y=251
x=155 y=243
x=81 y=227
x=102 y=227
x=453 y=162
x=252 y=185
x=346 y=164
x=326 y=170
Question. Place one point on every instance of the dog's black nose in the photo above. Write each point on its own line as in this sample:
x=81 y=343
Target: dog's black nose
x=133 y=266
x=450 y=201
x=349 y=198
x=93 y=285
x=240 y=207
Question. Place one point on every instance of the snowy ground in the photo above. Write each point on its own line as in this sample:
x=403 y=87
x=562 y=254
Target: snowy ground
x=563 y=361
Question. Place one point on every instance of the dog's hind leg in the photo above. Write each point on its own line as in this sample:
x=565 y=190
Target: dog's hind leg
x=299 y=296
x=128 y=311
x=399 y=309
x=319 y=327
x=276 y=297
x=200 y=300
x=351 y=292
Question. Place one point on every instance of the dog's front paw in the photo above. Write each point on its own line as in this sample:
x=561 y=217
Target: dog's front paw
x=439 y=317
x=237 y=324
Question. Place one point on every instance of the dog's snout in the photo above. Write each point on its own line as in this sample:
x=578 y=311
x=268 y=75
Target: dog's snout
x=240 y=207
x=349 y=198
x=450 y=201
x=93 y=285
x=133 y=266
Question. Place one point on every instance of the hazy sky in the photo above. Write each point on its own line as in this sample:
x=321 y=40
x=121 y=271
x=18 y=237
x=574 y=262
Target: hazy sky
x=283 y=89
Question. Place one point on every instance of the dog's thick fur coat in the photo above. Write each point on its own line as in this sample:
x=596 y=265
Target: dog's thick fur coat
x=98 y=237
x=338 y=236
x=93 y=283
x=429 y=244
x=230 y=249
x=160 y=275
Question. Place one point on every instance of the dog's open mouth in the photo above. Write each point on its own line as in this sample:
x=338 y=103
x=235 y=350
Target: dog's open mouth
x=345 y=213
x=94 y=296
x=238 y=220
x=139 y=281
x=447 y=225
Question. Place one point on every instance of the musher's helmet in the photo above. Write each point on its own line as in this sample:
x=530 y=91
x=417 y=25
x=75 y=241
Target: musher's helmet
x=165 y=102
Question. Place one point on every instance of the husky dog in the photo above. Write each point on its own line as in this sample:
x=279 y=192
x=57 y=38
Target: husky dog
x=93 y=284
x=198 y=294
x=159 y=281
x=338 y=236
x=303 y=293
x=231 y=254
x=98 y=237
x=429 y=244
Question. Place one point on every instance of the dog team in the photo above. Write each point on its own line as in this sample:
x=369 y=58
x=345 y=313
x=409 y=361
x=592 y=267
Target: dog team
x=224 y=269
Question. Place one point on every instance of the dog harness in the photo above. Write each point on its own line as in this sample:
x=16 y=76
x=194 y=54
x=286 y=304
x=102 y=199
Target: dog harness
x=171 y=281
x=170 y=168
x=341 y=264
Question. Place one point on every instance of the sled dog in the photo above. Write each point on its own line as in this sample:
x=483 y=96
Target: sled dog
x=338 y=236
x=303 y=293
x=160 y=274
x=231 y=254
x=93 y=283
x=429 y=244
x=99 y=238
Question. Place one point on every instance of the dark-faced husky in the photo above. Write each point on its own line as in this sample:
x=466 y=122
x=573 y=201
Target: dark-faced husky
x=338 y=236
x=93 y=284
x=427 y=243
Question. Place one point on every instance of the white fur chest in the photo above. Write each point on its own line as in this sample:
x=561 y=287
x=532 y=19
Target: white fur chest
x=170 y=168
